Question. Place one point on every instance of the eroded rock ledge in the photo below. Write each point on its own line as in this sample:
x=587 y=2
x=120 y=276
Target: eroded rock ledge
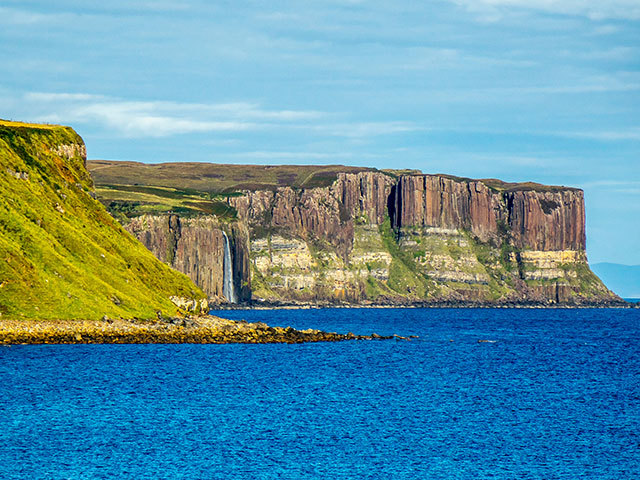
x=201 y=329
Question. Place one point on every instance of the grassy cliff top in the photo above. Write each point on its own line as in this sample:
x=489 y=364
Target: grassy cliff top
x=63 y=256
x=39 y=126
x=502 y=186
x=215 y=178
x=224 y=179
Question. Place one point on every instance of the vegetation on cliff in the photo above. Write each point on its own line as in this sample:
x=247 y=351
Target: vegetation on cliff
x=62 y=255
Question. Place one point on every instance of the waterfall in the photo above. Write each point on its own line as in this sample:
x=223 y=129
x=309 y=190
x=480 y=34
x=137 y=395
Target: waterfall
x=227 y=277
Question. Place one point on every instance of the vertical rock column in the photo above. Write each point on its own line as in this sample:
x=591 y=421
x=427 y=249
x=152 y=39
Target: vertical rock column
x=547 y=221
x=441 y=202
x=200 y=254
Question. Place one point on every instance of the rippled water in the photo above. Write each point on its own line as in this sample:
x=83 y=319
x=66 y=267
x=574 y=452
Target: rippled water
x=556 y=395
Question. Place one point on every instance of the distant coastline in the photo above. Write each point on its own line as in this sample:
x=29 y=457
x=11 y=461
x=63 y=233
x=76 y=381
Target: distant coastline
x=257 y=305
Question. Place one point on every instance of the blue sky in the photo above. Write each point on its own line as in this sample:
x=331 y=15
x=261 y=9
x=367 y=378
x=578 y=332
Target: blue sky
x=541 y=90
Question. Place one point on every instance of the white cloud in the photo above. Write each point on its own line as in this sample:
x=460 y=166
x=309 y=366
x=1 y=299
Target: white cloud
x=368 y=129
x=619 y=53
x=161 y=119
x=273 y=155
x=137 y=119
x=606 y=29
x=61 y=97
x=302 y=157
x=595 y=10
x=629 y=191
x=613 y=183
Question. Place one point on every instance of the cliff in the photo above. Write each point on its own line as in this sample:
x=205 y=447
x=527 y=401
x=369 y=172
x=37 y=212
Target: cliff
x=63 y=256
x=366 y=236
x=196 y=247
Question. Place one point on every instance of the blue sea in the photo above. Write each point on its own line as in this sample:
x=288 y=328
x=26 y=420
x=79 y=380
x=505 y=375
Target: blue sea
x=482 y=394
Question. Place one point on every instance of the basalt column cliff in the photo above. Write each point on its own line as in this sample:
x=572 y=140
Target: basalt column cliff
x=341 y=234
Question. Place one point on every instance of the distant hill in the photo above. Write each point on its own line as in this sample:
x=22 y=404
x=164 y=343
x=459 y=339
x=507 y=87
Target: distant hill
x=622 y=279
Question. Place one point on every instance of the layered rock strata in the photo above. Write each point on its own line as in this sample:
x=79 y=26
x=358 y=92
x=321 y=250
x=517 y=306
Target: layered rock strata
x=324 y=214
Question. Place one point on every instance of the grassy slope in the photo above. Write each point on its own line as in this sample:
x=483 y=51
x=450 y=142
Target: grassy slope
x=130 y=189
x=128 y=201
x=63 y=256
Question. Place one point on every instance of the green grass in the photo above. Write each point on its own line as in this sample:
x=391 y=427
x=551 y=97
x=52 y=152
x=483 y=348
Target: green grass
x=215 y=178
x=63 y=256
x=404 y=277
x=502 y=186
x=127 y=201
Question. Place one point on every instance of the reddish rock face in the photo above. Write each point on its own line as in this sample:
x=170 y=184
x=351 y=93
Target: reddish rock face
x=547 y=220
x=437 y=201
x=326 y=214
x=527 y=216
x=536 y=220
x=364 y=193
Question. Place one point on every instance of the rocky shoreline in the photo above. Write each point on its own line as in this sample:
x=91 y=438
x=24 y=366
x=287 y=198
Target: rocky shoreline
x=201 y=329
x=268 y=305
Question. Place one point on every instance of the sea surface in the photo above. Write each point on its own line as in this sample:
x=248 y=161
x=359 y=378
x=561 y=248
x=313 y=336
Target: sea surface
x=482 y=394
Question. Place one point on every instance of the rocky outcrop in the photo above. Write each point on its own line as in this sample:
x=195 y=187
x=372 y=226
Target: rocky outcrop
x=193 y=329
x=437 y=201
x=546 y=220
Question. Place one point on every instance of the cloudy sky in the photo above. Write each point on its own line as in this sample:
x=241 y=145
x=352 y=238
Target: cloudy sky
x=541 y=90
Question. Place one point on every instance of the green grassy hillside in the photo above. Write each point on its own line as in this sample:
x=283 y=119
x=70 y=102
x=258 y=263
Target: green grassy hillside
x=62 y=255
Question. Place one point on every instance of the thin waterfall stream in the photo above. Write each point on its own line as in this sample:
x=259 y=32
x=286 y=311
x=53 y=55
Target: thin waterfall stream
x=227 y=278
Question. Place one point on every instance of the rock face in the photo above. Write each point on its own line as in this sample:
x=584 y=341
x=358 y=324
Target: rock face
x=376 y=237
x=319 y=214
x=437 y=201
x=195 y=246
x=545 y=220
